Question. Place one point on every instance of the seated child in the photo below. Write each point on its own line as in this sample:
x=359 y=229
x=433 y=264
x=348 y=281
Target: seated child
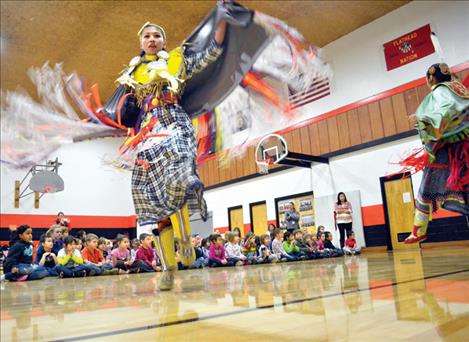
x=233 y=250
x=265 y=254
x=121 y=257
x=19 y=262
x=321 y=238
x=289 y=245
x=146 y=255
x=94 y=257
x=199 y=253
x=351 y=246
x=328 y=245
x=217 y=255
x=55 y=232
x=105 y=246
x=134 y=246
x=250 y=248
x=70 y=261
x=311 y=241
x=48 y=259
x=206 y=243
x=277 y=247
x=305 y=249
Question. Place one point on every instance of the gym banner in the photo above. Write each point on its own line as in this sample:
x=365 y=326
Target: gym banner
x=408 y=48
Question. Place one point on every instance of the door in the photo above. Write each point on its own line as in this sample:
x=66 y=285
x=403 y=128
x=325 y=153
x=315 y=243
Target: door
x=258 y=212
x=235 y=218
x=398 y=201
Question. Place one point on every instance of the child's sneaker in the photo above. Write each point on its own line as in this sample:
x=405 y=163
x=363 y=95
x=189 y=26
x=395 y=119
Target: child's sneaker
x=239 y=263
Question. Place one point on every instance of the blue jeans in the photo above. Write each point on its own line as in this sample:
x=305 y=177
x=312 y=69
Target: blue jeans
x=76 y=271
x=34 y=272
x=199 y=263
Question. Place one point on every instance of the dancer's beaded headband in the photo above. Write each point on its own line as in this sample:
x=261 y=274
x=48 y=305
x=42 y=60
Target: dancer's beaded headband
x=148 y=24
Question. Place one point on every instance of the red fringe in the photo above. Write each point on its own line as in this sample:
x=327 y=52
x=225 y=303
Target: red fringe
x=459 y=164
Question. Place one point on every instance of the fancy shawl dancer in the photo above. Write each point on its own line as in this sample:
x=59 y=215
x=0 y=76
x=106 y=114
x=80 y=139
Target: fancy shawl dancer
x=443 y=124
x=220 y=70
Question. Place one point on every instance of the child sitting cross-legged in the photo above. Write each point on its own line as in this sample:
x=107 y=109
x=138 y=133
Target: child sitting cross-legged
x=46 y=257
x=233 y=250
x=217 y=255
x=351 y=246
x=199 y=253
x=95 y=258
x=250 y=248
x=70 y=261
x=146 y=255
x=305 y=249
x=277 y=247
x=289 y=245
x=19 y=262
x=330 y=247
x=265 y=254
x=121 y=257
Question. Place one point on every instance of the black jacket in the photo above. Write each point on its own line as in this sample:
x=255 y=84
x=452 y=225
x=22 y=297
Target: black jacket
x=328 y=244
x=20 y=253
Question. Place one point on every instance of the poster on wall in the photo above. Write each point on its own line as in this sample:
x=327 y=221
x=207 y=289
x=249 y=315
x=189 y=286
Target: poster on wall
x=304 y=205
x=408 y=48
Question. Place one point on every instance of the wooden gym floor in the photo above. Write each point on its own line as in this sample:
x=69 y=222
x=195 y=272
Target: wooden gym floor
x=420 y=295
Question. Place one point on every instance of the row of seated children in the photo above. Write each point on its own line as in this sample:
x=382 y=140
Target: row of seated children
x=72 y=260
x=285 y=246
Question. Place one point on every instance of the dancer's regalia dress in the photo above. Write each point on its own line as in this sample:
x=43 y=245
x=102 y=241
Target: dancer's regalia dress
x=443 y=125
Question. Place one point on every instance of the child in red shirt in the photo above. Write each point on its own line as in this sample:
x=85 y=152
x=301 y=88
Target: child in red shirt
x=145 y=253
x=351 y=246
x=92 y=255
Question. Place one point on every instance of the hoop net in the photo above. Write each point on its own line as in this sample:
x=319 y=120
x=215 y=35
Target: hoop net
x=263 y=165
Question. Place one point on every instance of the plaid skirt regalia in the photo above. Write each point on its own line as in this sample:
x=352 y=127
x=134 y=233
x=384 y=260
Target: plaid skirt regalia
x=171 y=180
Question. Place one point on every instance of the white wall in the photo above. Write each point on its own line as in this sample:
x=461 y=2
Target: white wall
x=91 y=188
x=357 y=59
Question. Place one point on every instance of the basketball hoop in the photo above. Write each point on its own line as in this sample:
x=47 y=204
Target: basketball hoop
x=270 y=150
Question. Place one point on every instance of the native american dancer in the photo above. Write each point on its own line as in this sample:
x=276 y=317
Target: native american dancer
x=176 y=107
x=443 y=124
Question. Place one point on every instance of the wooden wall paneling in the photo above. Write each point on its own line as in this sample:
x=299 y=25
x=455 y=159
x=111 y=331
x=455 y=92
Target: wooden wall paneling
x=296 y=141
x=246 y=163
x=334 y=141
x=223 y=171
x=209 y=173
x=252 y=160
x=387 y=115
x=323 y=137
x=400 y=113
x=239 y=167
x=202 y=168
x=215 y=175
x=377 y=130
x=344 y=131
x=354 y=127
x=364 y=123
x=422 y=91
x=233 y=168
x=314 y=139
x=305 y=141
x=411 y=98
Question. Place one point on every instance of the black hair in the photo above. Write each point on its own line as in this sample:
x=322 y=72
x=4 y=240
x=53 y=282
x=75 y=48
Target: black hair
x=15 y=235
x=143 y=236
x=204 y=241
x=277 y=231
x=318 y=235
x=43 y=238
x=214 y=237
x=81 y=234
x=119 y=239
x=287 y=235
x=439 y=72
x=327 y=234
x=338 y=198
x=349 y=234
x=60 y=213
x=69 y=240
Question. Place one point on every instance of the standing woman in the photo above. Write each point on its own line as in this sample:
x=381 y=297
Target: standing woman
x=343 y=217
x=292 y=217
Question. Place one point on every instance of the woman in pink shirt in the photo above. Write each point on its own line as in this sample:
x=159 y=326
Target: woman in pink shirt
x=343 y=217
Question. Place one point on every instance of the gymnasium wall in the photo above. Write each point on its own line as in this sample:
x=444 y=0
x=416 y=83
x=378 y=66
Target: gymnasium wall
x=368 y=106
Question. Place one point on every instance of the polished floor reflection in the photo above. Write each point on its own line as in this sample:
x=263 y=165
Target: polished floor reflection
x=418 y=295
